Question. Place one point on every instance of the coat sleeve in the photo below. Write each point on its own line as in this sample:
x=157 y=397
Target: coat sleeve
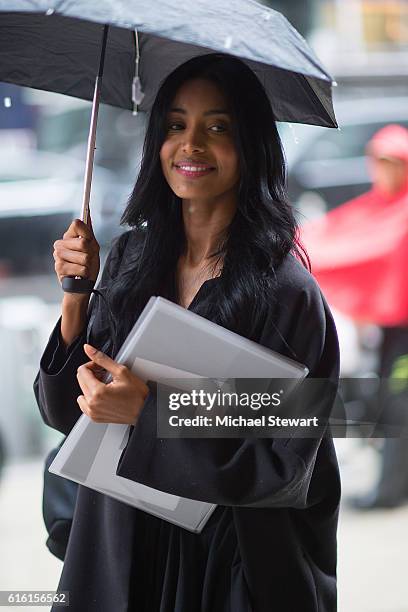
x=56 y=387
x=252 y=472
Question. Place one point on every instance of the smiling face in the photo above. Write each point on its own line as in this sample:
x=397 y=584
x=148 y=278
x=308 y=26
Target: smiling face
x=198 y=156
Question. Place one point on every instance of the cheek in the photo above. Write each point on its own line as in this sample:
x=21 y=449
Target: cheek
x=235 y=173
x=230 y=161
x=166 y=154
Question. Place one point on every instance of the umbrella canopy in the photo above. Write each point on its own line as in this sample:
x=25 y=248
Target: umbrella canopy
x=55 y=45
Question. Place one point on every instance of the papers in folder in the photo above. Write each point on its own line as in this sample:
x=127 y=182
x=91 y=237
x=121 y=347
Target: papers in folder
x=167 y=341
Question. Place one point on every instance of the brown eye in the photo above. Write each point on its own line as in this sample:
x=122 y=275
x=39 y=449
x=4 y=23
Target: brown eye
x=218 y=128
x=175 y=126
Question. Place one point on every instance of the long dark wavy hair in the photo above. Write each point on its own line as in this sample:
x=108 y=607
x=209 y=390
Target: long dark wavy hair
x=261 y=234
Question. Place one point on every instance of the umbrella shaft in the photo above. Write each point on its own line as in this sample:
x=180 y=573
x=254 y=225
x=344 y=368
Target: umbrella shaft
x=91 y=151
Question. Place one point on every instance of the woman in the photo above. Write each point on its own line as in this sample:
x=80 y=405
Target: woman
x=212 y=231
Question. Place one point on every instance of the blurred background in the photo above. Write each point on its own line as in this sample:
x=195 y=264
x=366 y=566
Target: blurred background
x=364 y=45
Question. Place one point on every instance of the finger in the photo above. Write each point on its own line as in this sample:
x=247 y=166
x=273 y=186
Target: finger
x=83 y=404
x=78 y=228
x=89 y=383
x=77 y=244
x=83 y=383
x=116 y=369
x=72 y=256
x=98 y=371
x=93 y=414
x=63 y=268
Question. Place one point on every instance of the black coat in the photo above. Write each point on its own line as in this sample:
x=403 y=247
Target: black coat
x=270 y=546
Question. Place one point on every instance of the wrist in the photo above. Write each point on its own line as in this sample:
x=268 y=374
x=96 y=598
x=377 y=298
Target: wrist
x=74 y=316
x=75 y=301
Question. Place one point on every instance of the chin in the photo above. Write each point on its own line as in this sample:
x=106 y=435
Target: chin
x=187 y=193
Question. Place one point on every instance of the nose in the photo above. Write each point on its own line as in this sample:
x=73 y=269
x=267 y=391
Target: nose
x=193 y=143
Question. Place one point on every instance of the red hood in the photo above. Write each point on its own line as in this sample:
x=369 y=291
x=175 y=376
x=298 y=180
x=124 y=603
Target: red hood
x=390 y=141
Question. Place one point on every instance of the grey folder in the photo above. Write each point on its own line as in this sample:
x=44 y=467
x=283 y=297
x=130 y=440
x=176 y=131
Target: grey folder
x=166 y=342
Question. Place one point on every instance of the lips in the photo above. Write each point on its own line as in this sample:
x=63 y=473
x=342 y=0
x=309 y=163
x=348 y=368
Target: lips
x=193 y=169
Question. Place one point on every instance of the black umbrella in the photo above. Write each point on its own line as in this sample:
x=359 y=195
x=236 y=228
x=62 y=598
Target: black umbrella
x=57 y=45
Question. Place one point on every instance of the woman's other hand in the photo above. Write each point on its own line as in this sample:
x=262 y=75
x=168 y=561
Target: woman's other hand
x=119 y=401
x=77 y=254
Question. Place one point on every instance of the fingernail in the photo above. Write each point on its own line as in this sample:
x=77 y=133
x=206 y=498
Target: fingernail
x=90 y=349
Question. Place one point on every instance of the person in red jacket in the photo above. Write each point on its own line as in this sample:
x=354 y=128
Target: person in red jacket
x=359 y=254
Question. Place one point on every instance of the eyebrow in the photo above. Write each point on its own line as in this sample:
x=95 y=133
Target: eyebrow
x=215 y=111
